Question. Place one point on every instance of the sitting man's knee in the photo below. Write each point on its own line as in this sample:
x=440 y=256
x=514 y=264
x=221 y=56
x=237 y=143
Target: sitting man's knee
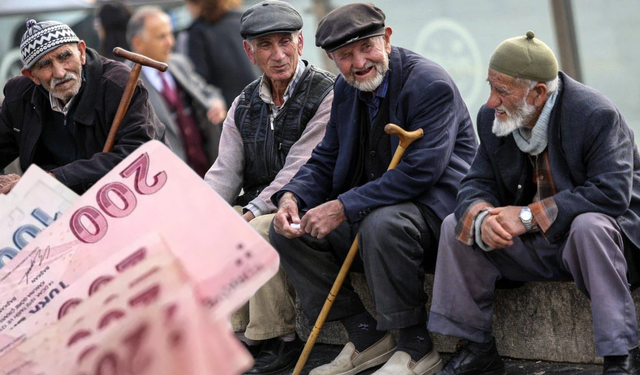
x=590 y=223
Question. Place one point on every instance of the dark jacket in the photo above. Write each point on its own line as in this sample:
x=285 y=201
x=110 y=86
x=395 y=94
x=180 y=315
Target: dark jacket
x=266 y=144
x=217 y=53
x=421 y=96
x=594 y=162
x=199 y=95
x=21 y=122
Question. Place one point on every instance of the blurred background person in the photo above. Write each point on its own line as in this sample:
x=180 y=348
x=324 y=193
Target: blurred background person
x=111 y=24
x=214 y=44
x=191 y=109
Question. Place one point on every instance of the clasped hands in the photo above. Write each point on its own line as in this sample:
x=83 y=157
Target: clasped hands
x=501 y=226
x=318 y=221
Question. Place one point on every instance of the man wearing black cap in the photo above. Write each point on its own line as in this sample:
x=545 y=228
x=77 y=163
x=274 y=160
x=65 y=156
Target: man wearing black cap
x=270 y=131
x=59 y=113
x=345 y=189
x=553 y=194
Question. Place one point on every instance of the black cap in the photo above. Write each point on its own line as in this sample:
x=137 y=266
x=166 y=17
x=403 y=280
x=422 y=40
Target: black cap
x=349 y=24
x=268 y=17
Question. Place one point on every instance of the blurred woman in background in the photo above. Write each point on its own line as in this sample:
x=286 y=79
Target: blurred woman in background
x=111 y=23
x=214 y=44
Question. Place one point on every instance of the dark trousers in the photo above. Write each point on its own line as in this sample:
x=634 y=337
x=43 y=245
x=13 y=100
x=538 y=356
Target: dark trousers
x=395 y=244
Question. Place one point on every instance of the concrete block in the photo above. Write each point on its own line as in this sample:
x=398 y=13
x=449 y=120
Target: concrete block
x=548 y=321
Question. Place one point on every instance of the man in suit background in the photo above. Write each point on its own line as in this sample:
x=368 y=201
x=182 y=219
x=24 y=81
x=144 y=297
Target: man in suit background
x=191 y=109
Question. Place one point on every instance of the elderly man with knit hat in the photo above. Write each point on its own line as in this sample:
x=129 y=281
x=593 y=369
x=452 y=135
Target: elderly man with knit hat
x=553 y=194
x=59 y=112
x=345 y=189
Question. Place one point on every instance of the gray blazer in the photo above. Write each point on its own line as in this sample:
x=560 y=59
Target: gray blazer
x=594 y=162
x=201 y=95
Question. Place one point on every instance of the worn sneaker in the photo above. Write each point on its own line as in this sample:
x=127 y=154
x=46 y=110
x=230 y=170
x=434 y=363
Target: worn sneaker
x=401 y=364
x=350 y=361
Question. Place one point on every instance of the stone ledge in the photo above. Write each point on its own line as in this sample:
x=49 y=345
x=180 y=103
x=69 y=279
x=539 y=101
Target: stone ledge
x=548 y=321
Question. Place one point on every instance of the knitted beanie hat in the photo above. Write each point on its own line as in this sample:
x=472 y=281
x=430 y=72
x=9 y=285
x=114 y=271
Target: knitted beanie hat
x=43 y=37
x=525 y=57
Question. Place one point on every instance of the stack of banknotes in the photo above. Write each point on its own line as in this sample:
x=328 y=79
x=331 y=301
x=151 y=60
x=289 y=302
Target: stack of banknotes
x=139 y=275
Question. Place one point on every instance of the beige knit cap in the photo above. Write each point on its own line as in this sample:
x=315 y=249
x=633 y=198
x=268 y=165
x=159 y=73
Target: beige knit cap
x=525 y=57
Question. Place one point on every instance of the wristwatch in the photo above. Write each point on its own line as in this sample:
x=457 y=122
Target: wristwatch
x=526 y=216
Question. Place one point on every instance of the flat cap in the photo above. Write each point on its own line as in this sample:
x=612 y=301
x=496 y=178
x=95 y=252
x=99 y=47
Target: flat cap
x=525 y=57
x=348 y=24
x=269 y=17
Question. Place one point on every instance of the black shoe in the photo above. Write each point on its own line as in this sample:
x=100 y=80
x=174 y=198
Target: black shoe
x=252 y=349
x=276 y=355
x=471 y=358
x=623 y=364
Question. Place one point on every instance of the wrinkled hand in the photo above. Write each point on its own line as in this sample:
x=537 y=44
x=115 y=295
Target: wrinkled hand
x=287 y=214
x=322 y=220
x=218 y=111
x=248 y=216
x=501 y=226
x=509 y=218
x=7 y=182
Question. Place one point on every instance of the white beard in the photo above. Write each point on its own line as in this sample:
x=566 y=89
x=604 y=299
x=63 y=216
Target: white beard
x=516 y=119
x=373 y=83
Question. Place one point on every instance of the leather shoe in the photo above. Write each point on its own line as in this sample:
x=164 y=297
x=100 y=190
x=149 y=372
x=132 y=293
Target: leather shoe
x=472 y=358
x=401 y=364
x=350 y=361
x=275 y=356
x=252 y=349
x=623 y=364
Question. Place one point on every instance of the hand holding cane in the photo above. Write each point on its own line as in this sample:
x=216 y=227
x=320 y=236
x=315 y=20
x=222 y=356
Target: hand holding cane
x=139 y=60
x=406 y=138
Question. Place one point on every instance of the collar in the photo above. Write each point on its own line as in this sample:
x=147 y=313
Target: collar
x=56 y=104
x=265 y=87
x=380 y=93
x=534 y=141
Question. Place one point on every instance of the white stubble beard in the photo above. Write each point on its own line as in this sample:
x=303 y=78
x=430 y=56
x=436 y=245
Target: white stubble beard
x=516 y=119
x=373 y=83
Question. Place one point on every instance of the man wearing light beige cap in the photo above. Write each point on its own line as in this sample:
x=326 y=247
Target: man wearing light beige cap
x=553 y=194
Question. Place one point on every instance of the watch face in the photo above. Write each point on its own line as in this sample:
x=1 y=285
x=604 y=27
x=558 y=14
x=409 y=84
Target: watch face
x=526 y=215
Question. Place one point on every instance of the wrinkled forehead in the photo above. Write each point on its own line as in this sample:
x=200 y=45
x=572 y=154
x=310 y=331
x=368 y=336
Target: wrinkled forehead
x=273 y=37
x=494 y=77
x=59 y=52
x=375 y=40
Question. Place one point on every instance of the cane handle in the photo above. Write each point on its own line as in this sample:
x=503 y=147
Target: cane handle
x=406 y=138
x=140 y=59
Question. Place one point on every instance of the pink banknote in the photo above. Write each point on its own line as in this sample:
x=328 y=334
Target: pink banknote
x=103 y=323
x=152 y=190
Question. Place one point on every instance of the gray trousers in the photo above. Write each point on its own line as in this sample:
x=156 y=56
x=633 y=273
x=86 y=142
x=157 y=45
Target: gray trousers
x=592 y=255
x=394 y=241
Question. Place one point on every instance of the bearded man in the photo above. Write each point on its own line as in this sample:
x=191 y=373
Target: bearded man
x=59 y=112
x=345 y=189
x=553 y=194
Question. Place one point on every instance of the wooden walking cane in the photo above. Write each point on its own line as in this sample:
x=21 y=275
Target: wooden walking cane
x=406 y=138
x=139 y=60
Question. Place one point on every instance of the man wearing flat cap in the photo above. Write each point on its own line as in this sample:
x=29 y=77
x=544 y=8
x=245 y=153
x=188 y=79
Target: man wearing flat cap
x=59 y=113
x=345 y=189
x=553 y=194
x=270 y=131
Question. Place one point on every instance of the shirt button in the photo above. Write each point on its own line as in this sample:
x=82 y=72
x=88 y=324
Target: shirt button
x=372 y=153
x=541 y=178
x=372 y=176
x=519 y=187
